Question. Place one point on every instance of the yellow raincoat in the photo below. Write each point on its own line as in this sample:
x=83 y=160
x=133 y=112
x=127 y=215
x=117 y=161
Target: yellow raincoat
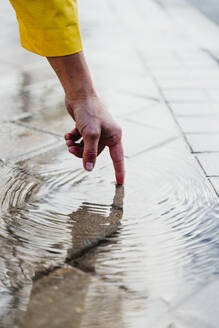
x=48 y=27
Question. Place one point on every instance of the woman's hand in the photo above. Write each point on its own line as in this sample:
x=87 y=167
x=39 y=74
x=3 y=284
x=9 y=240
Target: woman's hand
x=95 y=129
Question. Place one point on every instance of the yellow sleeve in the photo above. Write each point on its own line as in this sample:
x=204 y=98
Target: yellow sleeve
x=48 y=27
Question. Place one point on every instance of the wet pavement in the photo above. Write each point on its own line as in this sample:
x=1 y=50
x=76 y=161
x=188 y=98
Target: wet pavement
x=210 y=8
x=77 y=251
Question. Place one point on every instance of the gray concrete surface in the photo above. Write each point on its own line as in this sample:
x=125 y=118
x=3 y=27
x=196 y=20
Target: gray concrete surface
x=209 y=7
x=75 y=250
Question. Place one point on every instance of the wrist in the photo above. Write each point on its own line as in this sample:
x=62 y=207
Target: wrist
x=81 y=102
x=74 y=76
x=78 y=93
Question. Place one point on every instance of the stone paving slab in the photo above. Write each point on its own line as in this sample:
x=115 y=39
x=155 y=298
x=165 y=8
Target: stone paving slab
x=157 y=116
x=186 y=313
x=215 y=183
x=194 y=109
x=38 y=72
x=210 y=163
x=10 y=85
x=140 y=138
x=52 y=119
x=184 y=95
x=85 y=301
x=213 y=94
x=203 y=142
x=122 y=104
x=22 y=57
x=14 y=137
x=42 y=95
x=199 y=124
x=187 y=77
x=30 y=97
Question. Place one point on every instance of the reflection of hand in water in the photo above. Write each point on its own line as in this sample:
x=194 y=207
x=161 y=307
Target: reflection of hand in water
x=94 y=222
x=118 y=201
x=90 y=225
x=23 y=252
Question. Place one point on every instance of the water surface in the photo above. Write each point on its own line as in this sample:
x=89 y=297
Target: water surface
x=160 y=231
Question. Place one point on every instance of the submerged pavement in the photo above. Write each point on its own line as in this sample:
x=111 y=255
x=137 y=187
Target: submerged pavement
x=77 y=251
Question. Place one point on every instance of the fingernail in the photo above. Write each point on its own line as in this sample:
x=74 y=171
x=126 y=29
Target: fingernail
x=89 y=166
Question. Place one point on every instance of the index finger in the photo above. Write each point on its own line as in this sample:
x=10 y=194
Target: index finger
x=116 y=153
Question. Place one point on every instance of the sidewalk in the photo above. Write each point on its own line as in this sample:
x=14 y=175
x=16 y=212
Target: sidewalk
x=77 y=250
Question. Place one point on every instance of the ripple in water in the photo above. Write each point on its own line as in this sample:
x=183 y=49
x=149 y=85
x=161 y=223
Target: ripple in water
x=165 y=246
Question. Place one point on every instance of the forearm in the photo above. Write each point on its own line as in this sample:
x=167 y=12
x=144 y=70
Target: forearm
x=92 y=122
x=74 y=75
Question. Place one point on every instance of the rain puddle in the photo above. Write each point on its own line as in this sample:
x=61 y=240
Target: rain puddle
x=159 y=233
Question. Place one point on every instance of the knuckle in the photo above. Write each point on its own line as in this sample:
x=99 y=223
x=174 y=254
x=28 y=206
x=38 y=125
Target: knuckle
x=93 y=134
x=115 y=138
x=117 y=135
x=118 y=161
x=91 y=155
